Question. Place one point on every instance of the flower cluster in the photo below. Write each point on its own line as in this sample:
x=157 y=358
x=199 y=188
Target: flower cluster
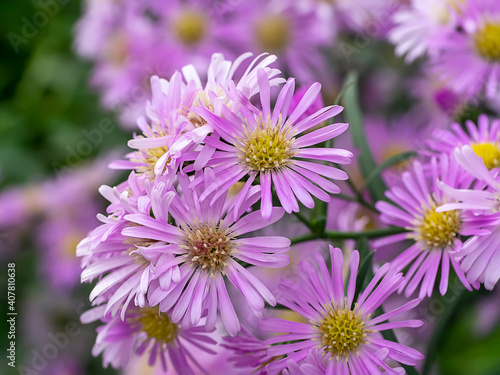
x=461 y=40
x=228 y=154
x=130 y=41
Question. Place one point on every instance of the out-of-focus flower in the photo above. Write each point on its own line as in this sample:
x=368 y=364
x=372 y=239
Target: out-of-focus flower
x=470 y=58
x=435 y=235
x=190 y=31
x=341 y=330
x=58 y=237
x=146 y=330
x=284 y=28
x=270 y=144
x=206 y=246
x=421 y=25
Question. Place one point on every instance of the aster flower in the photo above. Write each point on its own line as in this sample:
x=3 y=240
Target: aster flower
x=483 y=139
x=342 y=330
x=207 y=248
x=174 y=128
x=420 y=27
x=190 y=31
x=148 y=330
x=271 y=145
x=120 y=262
x=480 y=255
x=284 y=28
x=470 y=58
x=435 y=235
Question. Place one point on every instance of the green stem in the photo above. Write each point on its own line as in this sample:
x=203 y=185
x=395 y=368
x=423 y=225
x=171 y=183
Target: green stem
x=357 y=199
x=333 y=235
x=304 y=220
x=440 y=330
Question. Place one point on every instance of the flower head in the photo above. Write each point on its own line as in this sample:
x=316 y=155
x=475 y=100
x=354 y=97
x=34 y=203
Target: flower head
x=483 y=139
x=270 y=146
x=470 y=56
x=342 y=331
x=205 y=247
x=420 y=27
x=436 y=236
x=174 y=128
x=148 y=330
x=480 y=254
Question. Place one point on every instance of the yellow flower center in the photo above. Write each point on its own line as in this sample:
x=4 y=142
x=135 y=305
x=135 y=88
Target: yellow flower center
x=209 y=246
x=438 y=229
x=266 y=147
x=487 y=41
x=157 y=325
x=148 y=158
x=70 y=241
x=489 y=152
x=273 y=33
x=190 y=27
x=117 y=50
x=342 y=331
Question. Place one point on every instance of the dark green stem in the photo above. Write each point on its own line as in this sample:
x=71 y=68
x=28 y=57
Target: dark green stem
x=333 y=235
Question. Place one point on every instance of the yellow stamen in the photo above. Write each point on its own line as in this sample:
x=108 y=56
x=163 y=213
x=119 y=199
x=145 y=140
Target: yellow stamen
x=489 y=152
x=342 y=331
x=208 y=246
x=266 y=147
x=437 y=230
x=487 y=41
x=190 y=27
x=157 y=325
x=273 y=33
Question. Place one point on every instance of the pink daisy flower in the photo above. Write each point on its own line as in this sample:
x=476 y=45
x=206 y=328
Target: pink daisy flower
x=270 y=146
x=470 y=58
x=284 y=28
x=148 y=330
x=173 y=127
x=435 y=235
x=483 y=139
x=480 y=255
x=341 y=330
x=190 y=31
x=420 y=27
x=207 y=247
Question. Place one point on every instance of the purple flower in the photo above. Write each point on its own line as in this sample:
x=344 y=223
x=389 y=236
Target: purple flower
x=483 y=139
x=148 y=330
x=174 y=128
x=470 y=57
x=480 y=255
x=206 y=247
x=247 y=351
x=284 y=28
x=342 y=331
x=119 y=262
x=269 y=146
x=420 y=27
x=435 y=235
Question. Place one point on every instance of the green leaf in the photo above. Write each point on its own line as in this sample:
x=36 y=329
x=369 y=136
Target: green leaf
x=386 y=164
x=366 y=161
